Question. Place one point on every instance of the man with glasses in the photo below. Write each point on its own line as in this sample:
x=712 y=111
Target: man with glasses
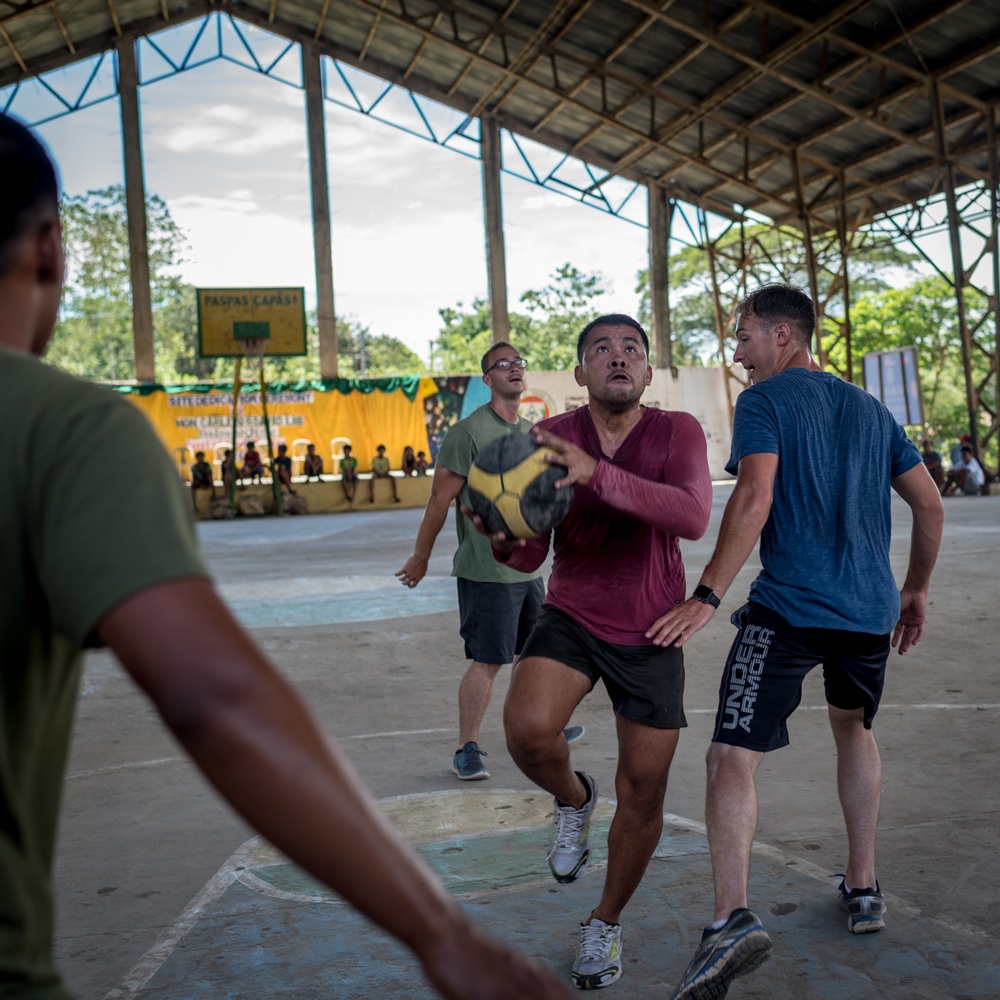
x=497 y=605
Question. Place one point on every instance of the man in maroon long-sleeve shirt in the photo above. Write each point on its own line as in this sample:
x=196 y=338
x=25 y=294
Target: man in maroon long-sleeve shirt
x=642 y=482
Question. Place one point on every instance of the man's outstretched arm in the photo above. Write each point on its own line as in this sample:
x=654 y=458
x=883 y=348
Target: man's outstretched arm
x=259 y=745
x=445 y=486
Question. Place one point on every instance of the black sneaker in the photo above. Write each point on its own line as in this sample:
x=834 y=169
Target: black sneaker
x=736 y=948
x=865 y=908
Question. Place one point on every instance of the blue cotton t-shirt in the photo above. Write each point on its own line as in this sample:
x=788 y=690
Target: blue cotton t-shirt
x=825 y=547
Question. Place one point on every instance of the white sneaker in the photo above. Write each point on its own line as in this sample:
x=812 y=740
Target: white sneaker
x=598 y=956
x=569 y=844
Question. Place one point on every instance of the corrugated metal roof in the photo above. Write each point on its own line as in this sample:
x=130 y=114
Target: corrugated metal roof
x=716 y=100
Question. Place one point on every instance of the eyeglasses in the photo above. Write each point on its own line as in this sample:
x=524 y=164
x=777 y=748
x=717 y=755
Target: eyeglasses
x=504 y=363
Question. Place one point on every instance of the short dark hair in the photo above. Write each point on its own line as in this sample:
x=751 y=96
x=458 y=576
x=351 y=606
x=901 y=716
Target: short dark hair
x=967 y=447
x=30 y=185
x=493 y=347
x=776 y=303
x=612 y=319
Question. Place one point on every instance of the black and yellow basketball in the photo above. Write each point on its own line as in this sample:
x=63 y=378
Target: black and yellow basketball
x=511 y=488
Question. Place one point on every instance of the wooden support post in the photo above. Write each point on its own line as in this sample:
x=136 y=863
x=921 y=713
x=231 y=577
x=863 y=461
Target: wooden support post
x=312 y=82
x=845 y=249
x=810 y=253
x=135 y=208
x=958 y=268
x=661 y=211
x=496 y=262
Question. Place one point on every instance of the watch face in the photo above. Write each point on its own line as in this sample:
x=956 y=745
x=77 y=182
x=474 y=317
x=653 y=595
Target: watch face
x=706 y=595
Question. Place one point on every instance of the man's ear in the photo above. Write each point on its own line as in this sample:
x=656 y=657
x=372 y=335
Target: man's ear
x=49 y=257
x=782 y=334
x=578 y=375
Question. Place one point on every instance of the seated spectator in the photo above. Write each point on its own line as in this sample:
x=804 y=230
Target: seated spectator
x=283 y=468
x=253 y=467
x=967 y=476
x=409 y=463
x=229 y=471
x=421 y=465
x=934 y=462
x=313 y=465
x=380 y=470
x=349 y=474
x=201 y=478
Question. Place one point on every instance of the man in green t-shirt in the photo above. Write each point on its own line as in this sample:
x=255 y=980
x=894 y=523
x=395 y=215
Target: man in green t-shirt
x=497 y=606
x=79 y=570
x=380 y=470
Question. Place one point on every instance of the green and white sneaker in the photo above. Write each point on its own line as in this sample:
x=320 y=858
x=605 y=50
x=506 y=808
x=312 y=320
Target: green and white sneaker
x=598 y=956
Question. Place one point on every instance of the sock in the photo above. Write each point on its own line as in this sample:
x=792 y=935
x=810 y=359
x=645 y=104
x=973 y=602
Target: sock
x=718 y=924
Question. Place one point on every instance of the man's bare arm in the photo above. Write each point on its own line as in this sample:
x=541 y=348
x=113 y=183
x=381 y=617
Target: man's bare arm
x=921 y=495
x=746 y=514
x=261 y=748
x=445 y=486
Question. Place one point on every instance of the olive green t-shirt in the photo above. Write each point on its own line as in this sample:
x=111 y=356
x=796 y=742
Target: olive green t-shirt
x=74 y=543
x=474 y=557
x=380 y=466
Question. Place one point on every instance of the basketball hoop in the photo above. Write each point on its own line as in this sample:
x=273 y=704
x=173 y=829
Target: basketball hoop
x=254 y=349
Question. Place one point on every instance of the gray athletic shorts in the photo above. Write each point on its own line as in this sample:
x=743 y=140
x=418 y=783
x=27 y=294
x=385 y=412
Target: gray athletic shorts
x=497 y=618
x=645 y=683
x=762 y=682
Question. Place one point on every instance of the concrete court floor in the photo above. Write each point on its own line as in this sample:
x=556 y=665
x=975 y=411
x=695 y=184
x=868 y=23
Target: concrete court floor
x=149 y=901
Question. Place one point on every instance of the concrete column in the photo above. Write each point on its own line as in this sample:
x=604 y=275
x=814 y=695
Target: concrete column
x=312 y=81
x=496 y=262
x=661 y=211
x=135 y=207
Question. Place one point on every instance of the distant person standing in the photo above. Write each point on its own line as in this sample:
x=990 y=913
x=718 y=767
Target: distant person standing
x=497 y=605
x=815 y=458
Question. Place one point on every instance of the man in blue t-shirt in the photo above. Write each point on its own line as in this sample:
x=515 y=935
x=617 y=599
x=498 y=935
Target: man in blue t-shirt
x=815 y=458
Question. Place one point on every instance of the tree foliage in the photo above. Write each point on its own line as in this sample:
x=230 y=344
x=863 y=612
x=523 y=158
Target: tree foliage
x=93 y=338
x=94 y=335
x=770 y=255
x=545 y=332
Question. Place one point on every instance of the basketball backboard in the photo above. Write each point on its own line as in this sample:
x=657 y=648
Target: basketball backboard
x=227 y=315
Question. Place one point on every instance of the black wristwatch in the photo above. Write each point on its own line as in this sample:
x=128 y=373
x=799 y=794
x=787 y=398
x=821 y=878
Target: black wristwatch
x=706 y=595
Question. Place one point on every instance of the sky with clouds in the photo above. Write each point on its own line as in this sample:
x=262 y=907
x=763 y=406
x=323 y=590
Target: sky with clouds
x=226 y=149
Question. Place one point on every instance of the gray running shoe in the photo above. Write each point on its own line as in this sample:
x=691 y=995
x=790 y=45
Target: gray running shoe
x=467 y=764
x=865 y=908
x=736 y=948
x=572 y=733
x=569 y=844
x=598 y=956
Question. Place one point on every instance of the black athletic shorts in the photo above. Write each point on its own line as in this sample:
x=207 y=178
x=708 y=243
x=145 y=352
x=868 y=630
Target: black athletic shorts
x=762 y=683
x=497 y=618
x=645 y=683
